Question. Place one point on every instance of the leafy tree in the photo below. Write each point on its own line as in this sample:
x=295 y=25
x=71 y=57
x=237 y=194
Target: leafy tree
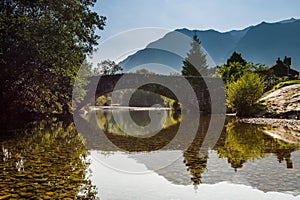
x=235 y=67
x=243 y=94
x=195 y=62
x=79 y=89
x=43 y=44
x=108 y=67
x=233 y=71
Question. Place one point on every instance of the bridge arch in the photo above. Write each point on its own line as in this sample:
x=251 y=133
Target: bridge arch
x=106 y=84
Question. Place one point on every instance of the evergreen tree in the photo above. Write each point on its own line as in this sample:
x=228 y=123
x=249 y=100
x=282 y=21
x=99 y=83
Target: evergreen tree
x=195 y=62
x=236 y=57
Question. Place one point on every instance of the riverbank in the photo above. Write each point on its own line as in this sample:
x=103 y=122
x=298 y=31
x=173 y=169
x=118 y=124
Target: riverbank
x=130 y=108
x=290 y=123
x=274 y=122
x=287 y=130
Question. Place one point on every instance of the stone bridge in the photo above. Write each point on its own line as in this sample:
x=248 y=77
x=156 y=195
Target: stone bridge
x=207 y=89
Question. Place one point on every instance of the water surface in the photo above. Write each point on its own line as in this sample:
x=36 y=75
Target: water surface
x=50 y=159
x=245 y=163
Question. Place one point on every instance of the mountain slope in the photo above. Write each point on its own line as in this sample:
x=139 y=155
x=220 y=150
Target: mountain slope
x=262 y=43
x=266 y=42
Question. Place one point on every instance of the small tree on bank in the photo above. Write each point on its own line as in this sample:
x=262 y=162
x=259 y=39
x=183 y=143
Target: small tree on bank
x=195 y=62
x=243 y=94
x=108 y=67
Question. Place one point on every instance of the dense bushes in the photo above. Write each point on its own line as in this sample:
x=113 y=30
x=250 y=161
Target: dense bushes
x=243 y=94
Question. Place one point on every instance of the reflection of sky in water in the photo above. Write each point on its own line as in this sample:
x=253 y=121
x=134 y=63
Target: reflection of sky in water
x=245 y=163
x=228 y=184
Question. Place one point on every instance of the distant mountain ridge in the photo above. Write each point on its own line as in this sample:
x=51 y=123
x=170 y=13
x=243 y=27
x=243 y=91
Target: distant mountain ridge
x=262 y=43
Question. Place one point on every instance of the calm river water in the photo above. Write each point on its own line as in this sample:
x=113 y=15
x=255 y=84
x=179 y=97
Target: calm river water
x=113 y=158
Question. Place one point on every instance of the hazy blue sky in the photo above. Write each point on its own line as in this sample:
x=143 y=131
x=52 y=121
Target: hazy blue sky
x=221 y=15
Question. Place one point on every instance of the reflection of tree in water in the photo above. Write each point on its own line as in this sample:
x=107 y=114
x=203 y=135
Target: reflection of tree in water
x=53 y=159
x=283 y=152
x=196 y=163
x=246 y=142
x=106 y=122
x=176 y=115
x=285 y=155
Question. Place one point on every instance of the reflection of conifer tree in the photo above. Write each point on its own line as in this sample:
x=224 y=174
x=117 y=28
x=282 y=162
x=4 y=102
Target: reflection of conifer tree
x=195 y=163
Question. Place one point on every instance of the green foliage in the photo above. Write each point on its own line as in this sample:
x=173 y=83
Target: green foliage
x=54 y=156
x=243 y=83
x=102 y=100
x=235 y=67
x=107 y=67
x=79 y=90
x=243 y=94
x=246 y=142
x=243 y=142
x=195 y=62
x=43 y=44
x=286 y=83
x=233 y=71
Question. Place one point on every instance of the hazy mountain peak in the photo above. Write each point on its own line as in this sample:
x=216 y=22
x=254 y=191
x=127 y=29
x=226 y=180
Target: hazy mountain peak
x=262 y=43
x=288 y=20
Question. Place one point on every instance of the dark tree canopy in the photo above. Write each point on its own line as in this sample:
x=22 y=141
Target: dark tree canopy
x=235 y=67
x=236 y=57
x=195 y=62
x=43 y=44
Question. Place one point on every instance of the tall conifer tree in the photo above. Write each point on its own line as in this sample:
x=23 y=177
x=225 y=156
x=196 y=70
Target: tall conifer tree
x=195 y=62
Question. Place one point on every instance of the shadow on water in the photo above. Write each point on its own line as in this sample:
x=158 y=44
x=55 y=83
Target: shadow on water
x=45 y=160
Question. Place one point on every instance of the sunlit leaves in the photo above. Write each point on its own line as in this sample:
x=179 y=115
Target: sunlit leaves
x=243 y=94
x=43 y=44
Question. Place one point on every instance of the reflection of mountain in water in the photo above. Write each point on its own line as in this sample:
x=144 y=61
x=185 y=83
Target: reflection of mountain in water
x=243 y=154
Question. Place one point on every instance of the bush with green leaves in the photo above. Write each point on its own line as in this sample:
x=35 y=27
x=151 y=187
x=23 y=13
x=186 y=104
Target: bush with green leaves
x=242 y=95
